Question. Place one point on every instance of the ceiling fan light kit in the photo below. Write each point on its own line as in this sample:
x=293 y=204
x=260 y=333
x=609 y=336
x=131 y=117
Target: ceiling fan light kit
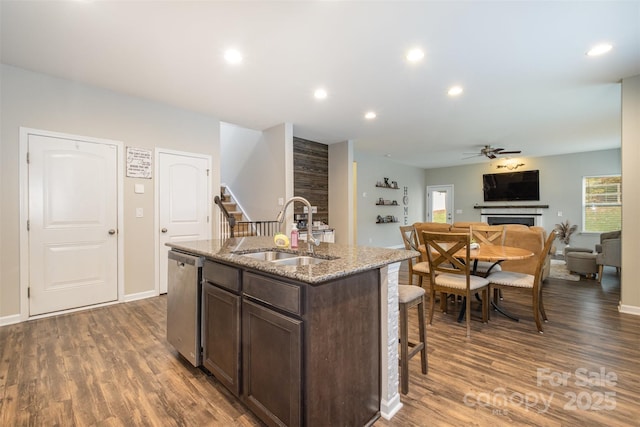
x=493 y=153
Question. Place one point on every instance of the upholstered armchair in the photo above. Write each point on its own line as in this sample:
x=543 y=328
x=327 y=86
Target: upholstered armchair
x=609 y=252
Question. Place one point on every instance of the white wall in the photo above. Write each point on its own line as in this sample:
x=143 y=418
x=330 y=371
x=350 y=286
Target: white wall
x=630 y=293
x=372 y=169
x=254 y=167
x=44 y=102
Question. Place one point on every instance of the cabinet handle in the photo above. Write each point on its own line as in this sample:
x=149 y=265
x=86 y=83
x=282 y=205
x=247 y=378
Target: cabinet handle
x=112 y=231
x=164 y=230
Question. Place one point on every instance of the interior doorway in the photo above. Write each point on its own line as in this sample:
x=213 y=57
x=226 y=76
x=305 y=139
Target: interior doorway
x=71 y=251
x=183 y=198
x=440 y=203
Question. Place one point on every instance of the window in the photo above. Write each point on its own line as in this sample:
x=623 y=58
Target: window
x=601 y=203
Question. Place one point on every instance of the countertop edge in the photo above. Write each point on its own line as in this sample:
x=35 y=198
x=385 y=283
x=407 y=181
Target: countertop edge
x=349 y=259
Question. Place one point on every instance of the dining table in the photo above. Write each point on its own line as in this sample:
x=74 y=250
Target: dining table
x=489 y=253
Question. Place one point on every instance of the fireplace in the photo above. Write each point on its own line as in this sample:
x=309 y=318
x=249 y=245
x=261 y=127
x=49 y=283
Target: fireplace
x=499 y=215
x=508 y=219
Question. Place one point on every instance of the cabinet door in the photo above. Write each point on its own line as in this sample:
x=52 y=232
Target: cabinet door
x=221 y=324
x=272 y=364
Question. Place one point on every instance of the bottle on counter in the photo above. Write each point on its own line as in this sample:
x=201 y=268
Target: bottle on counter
x=294 y=236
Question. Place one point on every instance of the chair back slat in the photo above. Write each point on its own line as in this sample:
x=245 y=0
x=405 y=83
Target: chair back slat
x=443 y=252
x=542 y=259
x=409 y=237
x=488 y=234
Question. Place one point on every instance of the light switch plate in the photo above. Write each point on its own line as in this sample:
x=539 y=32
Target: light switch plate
x=138 y=188
x=139 y=212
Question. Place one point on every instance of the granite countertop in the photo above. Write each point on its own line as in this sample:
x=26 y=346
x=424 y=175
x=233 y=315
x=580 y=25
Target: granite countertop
x=342 y=260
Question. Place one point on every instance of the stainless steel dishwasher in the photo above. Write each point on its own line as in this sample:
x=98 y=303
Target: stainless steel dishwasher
x=183 y=305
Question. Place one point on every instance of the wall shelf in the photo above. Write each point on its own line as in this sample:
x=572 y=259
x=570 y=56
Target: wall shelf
x=387 y=183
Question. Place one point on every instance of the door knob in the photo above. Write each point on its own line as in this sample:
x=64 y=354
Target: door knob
x=112 y=231
x=164 y=230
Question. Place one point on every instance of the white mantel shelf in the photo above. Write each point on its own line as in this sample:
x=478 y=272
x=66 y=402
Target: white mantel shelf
x=511 y=207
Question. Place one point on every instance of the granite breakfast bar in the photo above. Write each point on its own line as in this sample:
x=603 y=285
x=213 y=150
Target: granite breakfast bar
x=314 y=343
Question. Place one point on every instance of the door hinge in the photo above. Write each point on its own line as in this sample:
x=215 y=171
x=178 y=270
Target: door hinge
x=207 y=172
x=27 y=157
x=207 y=218
x=29 y=292
x=28 y=225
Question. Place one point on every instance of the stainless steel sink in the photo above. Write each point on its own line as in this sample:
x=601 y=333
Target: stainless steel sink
x=299 y=260
x=270 y=255
x=285 y=258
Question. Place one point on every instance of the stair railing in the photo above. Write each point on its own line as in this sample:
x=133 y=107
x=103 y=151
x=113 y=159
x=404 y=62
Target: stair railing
x=257 y=228
x=228 y=226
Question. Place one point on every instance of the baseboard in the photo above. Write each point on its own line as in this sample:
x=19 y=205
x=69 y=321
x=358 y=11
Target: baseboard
x=140 y=295
x=389 y=408
x=629 y=309
x=16 y=318
x=10 y=320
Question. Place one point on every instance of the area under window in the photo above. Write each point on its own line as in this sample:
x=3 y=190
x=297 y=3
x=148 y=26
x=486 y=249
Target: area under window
x=601 y=203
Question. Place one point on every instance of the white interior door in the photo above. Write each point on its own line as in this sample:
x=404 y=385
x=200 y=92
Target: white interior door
x=184 y=203
x=73 y=217
x=440 y=203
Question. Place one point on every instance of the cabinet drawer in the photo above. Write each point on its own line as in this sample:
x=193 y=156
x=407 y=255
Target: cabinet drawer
x=279 y=294
x=222 y=275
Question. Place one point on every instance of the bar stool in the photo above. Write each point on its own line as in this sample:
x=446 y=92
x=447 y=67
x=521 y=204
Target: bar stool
x=411 y=296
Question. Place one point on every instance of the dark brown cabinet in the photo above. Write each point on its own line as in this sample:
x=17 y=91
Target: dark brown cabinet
x=221 y=324
x=221 y=328
x=295 y=353
x=311 y=354
x=272 y=364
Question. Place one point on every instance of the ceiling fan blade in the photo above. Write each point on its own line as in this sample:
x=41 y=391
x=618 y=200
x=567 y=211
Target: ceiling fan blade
x=491 y=155
x=509 y=152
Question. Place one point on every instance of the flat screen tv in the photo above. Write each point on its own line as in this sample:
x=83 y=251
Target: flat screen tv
x=511 y=186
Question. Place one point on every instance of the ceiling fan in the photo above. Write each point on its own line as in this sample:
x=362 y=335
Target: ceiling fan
x=491 y=152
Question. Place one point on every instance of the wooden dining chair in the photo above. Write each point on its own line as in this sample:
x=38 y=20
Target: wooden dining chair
x=450 y=271
x=487 y=235
x=417 y=266
x=531 y=283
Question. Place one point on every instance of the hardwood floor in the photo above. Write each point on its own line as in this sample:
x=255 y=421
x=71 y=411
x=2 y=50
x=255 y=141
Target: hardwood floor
x=112 y=366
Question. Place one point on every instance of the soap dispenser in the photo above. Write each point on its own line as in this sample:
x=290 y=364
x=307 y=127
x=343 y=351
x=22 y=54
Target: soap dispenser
x=294 y=236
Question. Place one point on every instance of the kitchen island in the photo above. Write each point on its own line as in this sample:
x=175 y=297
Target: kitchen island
x=302 y=340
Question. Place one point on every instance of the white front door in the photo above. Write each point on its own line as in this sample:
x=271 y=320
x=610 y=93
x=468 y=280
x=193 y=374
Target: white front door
x=184 y=203
x=440 y=203
x=73 y=223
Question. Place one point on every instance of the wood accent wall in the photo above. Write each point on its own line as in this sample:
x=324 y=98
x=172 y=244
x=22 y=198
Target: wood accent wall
x=311 y=176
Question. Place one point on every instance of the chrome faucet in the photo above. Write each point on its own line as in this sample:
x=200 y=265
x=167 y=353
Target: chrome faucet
x=310 y=239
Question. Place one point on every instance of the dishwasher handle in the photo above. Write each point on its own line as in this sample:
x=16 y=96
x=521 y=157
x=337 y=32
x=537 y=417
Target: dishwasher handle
x=186 y=259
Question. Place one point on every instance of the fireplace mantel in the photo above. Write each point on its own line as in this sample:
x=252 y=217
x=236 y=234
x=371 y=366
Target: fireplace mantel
x=511 y=206
x=512 y=214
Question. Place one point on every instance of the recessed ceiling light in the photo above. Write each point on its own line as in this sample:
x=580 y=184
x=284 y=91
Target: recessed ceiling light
x=455 y=90
x=415 y=55
x=320 y=93
x=599 y=49
x=370 y=115
x=233 y=56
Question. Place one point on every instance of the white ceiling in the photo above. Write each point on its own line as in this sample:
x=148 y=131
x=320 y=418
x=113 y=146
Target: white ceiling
x=528 y=84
